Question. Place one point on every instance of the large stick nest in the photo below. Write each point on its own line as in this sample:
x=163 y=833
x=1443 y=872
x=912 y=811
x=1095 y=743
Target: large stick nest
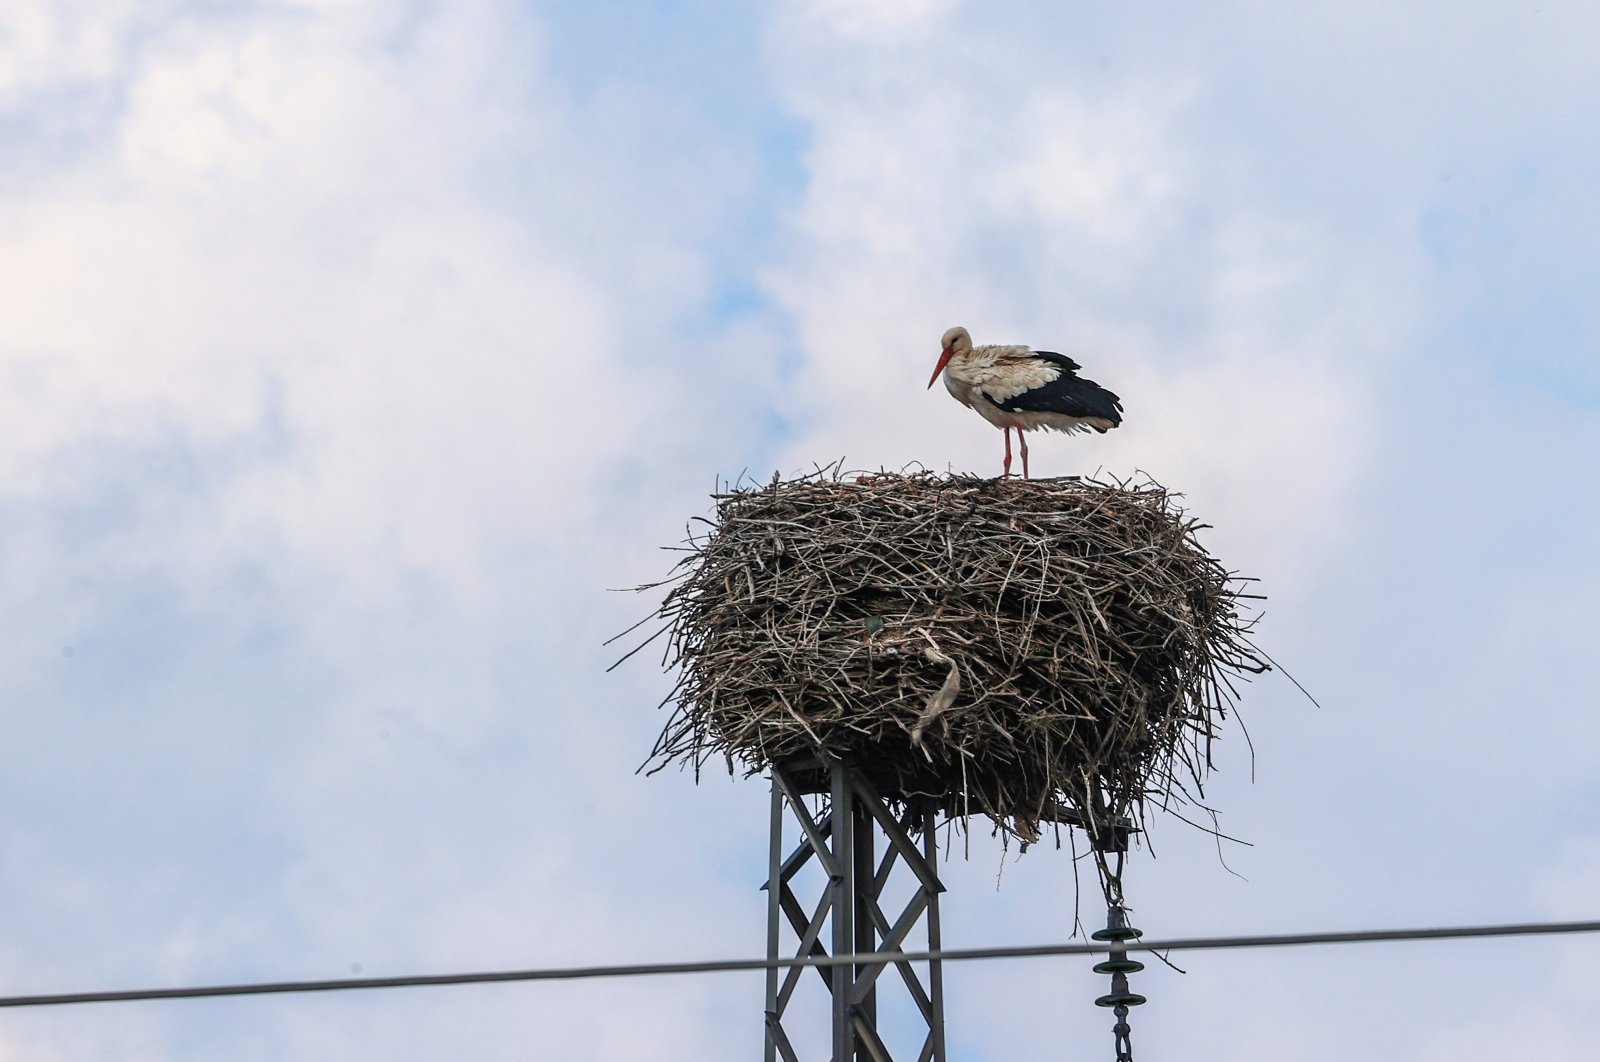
x=1034 y=650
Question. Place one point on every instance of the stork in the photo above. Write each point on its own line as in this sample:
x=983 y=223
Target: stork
x=1017 y=387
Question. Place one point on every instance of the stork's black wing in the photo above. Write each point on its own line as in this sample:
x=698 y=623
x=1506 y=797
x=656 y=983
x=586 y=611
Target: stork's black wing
x=1067 y=393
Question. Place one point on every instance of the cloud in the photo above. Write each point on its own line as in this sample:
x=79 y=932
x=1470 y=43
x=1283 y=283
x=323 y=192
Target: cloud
x=877 y=20
x=1231 y=240
x=279 y=255
x=352 y=348
x=1008 y=196
x=329 y=347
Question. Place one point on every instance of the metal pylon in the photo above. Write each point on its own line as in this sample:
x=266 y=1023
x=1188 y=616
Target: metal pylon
x=843 y=837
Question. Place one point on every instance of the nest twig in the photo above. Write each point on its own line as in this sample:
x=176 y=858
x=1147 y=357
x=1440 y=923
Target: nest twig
x=1035 y=650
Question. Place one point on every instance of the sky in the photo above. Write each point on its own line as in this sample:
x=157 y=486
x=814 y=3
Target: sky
x=355 y=354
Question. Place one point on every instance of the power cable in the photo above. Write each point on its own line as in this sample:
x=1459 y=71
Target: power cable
x=1024 y=951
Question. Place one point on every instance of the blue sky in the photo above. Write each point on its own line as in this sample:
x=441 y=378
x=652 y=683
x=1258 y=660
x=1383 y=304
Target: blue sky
x=353 y=351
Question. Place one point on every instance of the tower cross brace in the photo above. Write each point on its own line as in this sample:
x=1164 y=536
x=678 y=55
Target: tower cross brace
x=859 y=842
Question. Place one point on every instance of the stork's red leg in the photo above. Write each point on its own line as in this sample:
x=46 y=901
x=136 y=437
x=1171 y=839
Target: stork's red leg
x=1008 y=451
x=1023 y=439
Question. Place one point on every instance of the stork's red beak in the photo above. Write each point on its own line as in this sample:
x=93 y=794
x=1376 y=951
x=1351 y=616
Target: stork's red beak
x=944 y=359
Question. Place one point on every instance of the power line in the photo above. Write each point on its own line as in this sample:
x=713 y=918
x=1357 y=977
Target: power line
x=1023 y=951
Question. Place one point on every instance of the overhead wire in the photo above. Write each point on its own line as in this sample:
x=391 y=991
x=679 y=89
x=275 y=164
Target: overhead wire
x=1023 y=951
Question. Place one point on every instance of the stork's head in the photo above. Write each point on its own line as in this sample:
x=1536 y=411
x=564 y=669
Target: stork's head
x=956 y=341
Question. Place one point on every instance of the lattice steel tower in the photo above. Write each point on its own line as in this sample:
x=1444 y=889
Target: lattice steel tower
x=870 y=851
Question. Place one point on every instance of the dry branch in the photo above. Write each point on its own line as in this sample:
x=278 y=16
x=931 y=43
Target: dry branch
x=1017 y=647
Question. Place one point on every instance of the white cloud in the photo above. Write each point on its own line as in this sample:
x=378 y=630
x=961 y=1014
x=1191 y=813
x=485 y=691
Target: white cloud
x=349 y=351
x=874 y=19
x=1008 y=197
x=325 y=355
x=1531 y=1031
x=285 y=253
x=51 y=45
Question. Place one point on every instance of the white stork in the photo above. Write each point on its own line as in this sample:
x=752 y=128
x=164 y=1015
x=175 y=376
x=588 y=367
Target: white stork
x=1016 y=387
